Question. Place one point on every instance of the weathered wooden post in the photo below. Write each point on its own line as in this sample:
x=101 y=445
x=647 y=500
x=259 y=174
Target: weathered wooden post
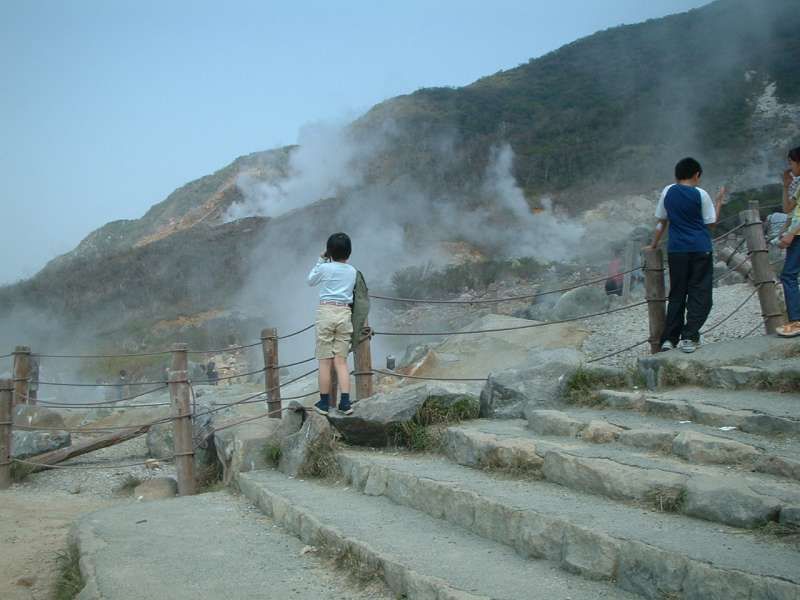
x=272 y=377
x=656 y=295
x=763 y=277
x=6 y=423
x=334 y=401
x=22 y=373
x=363 y=364
x=630 y=253
x=180 y=397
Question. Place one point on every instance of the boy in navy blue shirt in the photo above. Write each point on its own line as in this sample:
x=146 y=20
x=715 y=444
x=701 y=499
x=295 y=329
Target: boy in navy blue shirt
x=689 y=213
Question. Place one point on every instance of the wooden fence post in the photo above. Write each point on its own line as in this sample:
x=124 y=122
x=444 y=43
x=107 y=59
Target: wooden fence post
x=272 y=377
x=363 y=365
x=22 y=373
x=630 y=254
x=6 y=423
x=656 y=295
x=763 y=277
x=180 y=397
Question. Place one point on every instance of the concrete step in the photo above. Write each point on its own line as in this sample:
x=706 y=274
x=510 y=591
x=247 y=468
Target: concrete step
x=196 y=547
x=760 y=362
x=656 y=555
x=419 y=556
x=675 y=435
x=712 y=492
x=761 y=413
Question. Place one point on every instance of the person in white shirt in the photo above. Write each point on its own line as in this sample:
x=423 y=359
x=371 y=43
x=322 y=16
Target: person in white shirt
x=336 y=279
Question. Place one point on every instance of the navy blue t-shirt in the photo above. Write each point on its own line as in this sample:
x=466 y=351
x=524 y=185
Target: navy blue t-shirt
x=689 y=211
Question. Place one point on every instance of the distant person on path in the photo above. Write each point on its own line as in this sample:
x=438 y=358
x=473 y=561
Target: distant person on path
x=688 y=212
x=791 y=242
x=212 y=375
x=334 y=323
x=615 y=277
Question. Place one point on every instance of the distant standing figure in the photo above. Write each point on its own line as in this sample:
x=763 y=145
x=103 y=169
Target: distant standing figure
x=791 y=242
x=615 y=277
x=33 y=386
x=122 y=384
x=689 y=213
x=211 y=373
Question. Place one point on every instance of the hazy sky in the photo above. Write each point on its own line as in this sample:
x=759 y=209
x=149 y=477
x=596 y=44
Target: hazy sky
x=107 y=106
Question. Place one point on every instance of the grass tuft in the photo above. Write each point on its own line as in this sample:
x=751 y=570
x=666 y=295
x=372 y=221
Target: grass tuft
x=425 y=432
x=579 y=387
x=272 y=454
x=209 y=478
x=666 y=499
x=70 y=579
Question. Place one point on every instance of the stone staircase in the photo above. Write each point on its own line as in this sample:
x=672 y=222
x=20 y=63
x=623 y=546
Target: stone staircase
x=689 y=492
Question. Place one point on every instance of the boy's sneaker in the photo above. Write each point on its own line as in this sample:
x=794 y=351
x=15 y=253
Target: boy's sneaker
x=687 y=346
x=791 y=329
x=667 y=346
x=321 y=407
x=345 y=407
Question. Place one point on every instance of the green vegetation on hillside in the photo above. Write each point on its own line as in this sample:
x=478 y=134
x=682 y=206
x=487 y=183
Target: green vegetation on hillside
x=615 y=106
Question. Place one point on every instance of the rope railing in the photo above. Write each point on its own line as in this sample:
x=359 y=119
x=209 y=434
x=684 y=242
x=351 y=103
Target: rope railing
x=514 y=327
x=298 y=332
x=82 y=467
x=106 y=403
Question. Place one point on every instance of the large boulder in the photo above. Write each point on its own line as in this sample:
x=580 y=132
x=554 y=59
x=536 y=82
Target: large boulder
x=507 y=394
x=377 y=420
x=161 y=440
x=309 y=452
x=580 y=301
x=254 y=445
x=30 y=443
x=31 y=415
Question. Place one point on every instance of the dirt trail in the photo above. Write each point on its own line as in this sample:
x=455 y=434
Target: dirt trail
x=33 y=530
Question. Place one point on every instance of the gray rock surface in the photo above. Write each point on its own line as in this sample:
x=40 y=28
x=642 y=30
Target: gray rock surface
x=701 y=448
x=301 y=452
x=30 y=443
x=37 y=416
x=601 y=432
x=580 y=301
x=420 y=555
x=158 y=488
x=254 y=445
x=484 y=450
x=641 y=549
x=508 y=394
x=554 y=422
x=209 y=546
x=375 y=421
x=655 y=440
x=725 y=501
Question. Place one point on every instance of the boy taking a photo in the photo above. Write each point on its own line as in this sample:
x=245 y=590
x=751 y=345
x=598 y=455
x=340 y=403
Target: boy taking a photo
x=334 y=325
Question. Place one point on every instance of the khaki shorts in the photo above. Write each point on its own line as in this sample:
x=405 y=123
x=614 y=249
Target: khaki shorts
x=334 y=330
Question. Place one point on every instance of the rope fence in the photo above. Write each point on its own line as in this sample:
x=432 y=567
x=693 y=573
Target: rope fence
x=181 y=387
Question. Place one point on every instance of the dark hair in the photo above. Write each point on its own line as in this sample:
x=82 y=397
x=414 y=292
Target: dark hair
x=794 y=154
x=686 y=168
x=339 y=246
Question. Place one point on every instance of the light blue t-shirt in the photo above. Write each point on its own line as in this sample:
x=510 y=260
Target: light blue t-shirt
x=337 y=279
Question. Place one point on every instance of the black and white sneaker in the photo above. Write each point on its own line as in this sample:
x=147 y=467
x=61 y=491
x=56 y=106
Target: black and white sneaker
x=321 y=407
x=687 y=346
x=667 y=346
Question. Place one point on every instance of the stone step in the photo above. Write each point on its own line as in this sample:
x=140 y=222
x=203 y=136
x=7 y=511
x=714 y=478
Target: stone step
x=675 y=435
x=761 y=413
x=419 y=556
x=657 y=555
x=762 y=362
x=711 y=492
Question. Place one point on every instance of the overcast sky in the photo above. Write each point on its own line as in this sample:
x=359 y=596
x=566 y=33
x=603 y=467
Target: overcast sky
x=107 y=106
